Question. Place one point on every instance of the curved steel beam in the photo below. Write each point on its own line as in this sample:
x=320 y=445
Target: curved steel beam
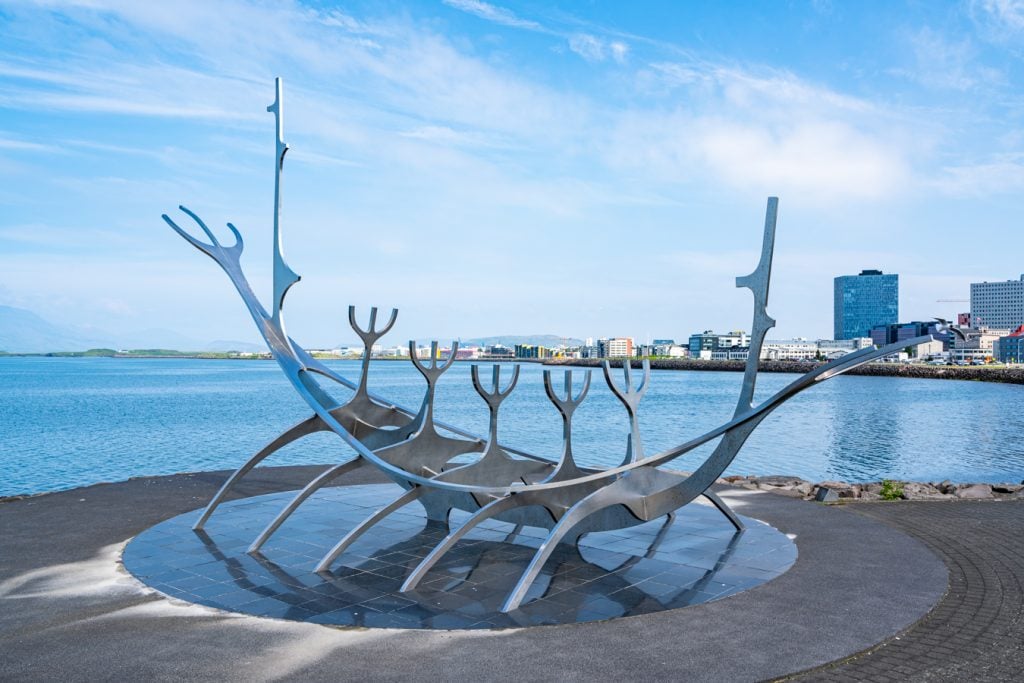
x=488 y=511
x=576 y=514
x=298 y=370
x=308 y=490
x=364 y=526
x=724 y=509
x=310 y=425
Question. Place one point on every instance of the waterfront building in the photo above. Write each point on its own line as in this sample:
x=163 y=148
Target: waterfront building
x=708 y=341
x=1010 y=349
x=834 y=348
x=499 y=352
x=662 y=347
x=974 y=345
x=732 y=353
x=677 y=351
x=616 y=347
x=932 y=349
x=531 y=351
x=998 y=304
x=789 y=349
x=397 y=352
x=804 y=349
x=863 y=301
x=468 y=353
x=890 y=334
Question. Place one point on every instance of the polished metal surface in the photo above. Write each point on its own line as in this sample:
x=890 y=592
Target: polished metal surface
x=663 y=565
x=501 y=483
x=630 y=398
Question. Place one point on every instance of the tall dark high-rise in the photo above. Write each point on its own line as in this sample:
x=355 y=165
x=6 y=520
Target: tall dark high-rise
x=864 y=301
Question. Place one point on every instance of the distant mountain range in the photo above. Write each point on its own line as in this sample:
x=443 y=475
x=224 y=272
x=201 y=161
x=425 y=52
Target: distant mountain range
x=22 y=331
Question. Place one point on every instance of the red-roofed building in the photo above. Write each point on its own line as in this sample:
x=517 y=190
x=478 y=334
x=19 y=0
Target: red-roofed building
x=1010 y=349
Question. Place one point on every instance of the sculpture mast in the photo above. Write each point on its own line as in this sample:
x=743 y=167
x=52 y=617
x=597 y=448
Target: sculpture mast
x=284 y=277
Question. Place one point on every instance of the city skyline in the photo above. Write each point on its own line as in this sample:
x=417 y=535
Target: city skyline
x=507 y=166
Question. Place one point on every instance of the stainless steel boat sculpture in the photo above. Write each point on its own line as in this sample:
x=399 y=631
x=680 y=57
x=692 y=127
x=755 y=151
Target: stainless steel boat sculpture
x=502 y=483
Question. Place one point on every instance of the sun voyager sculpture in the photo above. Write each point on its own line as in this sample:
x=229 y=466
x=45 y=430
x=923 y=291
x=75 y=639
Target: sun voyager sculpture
x=416 y=451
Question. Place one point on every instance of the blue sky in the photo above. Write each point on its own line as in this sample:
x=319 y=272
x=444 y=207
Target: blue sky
x=582 y=169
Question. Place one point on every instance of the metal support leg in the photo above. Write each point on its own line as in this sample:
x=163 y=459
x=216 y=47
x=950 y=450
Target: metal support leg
x=306 y=427
x=576 y=514
x=364 y=526
x=483 y=514
x=724 y=509
x=312 y=487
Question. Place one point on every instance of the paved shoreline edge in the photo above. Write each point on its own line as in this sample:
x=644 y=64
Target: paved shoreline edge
x=1000 y=375
x=861 y=598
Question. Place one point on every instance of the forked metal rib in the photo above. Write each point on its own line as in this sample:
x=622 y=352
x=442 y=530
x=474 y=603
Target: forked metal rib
x=367 y=524
x=569 y=494
x=630 y=398
x=494 y=398
x=567 y=468
x=369 y=337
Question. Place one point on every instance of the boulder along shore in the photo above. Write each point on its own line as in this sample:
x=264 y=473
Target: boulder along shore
x=1005 y=375
x=841 y=491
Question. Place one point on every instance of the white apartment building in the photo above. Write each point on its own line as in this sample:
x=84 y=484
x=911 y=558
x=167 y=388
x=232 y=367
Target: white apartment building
x=734 y=353
x=833 y=348
x=794 y=349
x=788 y=349
x=998 y=304
x=619 y=347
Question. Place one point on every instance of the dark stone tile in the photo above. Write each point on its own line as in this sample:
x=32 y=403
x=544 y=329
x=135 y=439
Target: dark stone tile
x=622 y=572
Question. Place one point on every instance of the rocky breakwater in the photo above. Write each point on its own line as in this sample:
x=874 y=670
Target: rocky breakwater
x=1003 y=374
x=844 y=492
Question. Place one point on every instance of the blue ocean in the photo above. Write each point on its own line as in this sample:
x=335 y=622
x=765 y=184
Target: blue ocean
x=68 y=422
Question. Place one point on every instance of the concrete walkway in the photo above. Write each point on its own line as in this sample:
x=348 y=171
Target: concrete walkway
x=976 y=633
x=69 y=612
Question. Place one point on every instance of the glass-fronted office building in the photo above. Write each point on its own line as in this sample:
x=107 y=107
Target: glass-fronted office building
x=865 y=301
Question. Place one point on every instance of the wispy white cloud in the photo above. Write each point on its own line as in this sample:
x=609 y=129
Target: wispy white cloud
x=1005 y=17
x=437 y=133
x=999 y=176
x=769 y=132
x=498 y=15
x=14 y=144
x=594 y=49
x=947 y=63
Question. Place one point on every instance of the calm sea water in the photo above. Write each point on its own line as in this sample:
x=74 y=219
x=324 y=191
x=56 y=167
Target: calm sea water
x=73 y=421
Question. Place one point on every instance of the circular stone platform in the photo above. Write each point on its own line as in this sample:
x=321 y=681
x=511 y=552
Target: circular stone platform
x=660 y=565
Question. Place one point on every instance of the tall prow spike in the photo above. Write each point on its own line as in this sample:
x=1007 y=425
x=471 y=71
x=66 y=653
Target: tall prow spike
x=758 y=282
x=284 y=277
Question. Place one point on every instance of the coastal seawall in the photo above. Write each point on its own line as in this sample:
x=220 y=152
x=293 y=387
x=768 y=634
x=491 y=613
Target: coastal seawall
x=977 y=374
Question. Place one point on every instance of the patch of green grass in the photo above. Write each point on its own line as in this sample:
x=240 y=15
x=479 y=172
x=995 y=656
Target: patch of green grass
x=891 y=490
